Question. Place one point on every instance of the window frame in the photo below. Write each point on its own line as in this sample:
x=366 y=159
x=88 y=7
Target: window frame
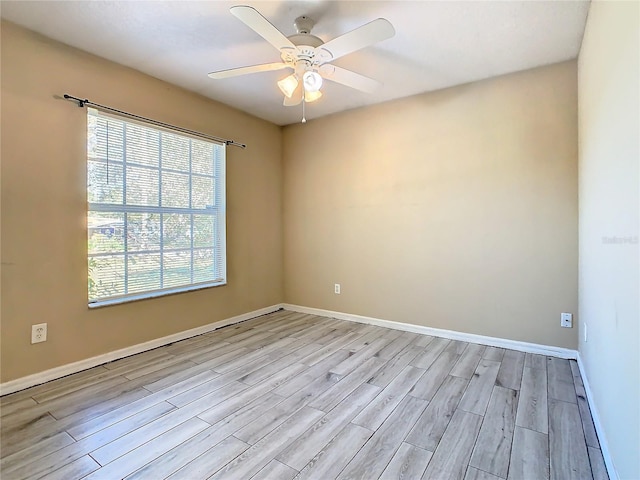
x=217 y=213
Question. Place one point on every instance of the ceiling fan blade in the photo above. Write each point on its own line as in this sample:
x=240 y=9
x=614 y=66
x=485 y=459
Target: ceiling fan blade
x=234 y=72
x=295 y=99
x=372 y=32
x=254 y=20
x=349 y=78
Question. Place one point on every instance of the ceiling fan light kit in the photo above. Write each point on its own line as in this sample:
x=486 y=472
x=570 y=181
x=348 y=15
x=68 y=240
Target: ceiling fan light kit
x=288 y=85
x=309 y=56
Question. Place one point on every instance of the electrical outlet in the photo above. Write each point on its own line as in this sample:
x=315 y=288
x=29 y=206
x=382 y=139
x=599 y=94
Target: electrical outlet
x=39 y=333
x=566 y=320
x=336 y=289
x=585 y=331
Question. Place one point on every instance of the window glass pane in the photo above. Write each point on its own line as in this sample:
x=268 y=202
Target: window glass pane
x=106 y=232
x=143 y=145
x=202 y=192
x=105 y=139
x=142 y=186
x=106 y=276
x=202 y=157
x=177 y=268
x=143 y=272
x=143 y=231
x=175 y=190
x=203 y=265
x=104 y=182
x=203 y=230
x=177 y=231
x=175 y=152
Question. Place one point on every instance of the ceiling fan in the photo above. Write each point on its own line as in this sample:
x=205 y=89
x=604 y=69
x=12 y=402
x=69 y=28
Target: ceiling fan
x=309 y=56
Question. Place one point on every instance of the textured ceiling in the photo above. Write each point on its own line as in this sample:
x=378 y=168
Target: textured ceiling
x=437 y=44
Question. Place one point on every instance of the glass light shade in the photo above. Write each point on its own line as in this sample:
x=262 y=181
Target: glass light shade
x=312 y=81
x=288 y=85
x=312 y=96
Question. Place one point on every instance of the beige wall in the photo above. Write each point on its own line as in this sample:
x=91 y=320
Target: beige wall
x=455 y=209
x=44 y=266
x=609 y=106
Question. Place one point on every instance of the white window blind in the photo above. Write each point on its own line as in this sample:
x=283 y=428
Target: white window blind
x=156 y=210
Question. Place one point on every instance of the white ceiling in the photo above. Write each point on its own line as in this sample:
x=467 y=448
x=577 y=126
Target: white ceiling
x=437 y=43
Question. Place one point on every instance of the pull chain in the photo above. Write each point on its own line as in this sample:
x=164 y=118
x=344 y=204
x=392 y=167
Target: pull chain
x=304 y=120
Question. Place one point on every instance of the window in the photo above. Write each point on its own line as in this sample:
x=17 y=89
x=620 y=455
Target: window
x=156 y=210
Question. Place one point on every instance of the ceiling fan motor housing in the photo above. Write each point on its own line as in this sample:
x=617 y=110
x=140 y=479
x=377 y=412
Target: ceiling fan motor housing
x=303 y=57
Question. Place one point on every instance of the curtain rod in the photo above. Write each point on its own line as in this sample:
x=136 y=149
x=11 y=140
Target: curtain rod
x=82 y=102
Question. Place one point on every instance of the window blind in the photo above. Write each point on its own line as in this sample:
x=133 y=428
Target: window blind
x=156 y=210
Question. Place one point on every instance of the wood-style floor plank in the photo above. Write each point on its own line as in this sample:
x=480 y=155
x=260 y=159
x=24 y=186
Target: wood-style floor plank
x=211 y=461
x=259 y=455
x=475 y=474
x=560 y=380
x=567 y=446
x=532 y=404
x=409 y=462
x=430 y=382
x=372 y=459
x=289 y=395
x=430 y=427
x=75 y=470
x=529 y=455
x=311 y=442
x=493 y=448
x=136 y=458
x=451 y=458
x=494 y=353
x=533 y=360
x=430 y=353
x=468 y=361
x=476 y=397
x=394 y=366
x=331 y=460
x=381 y=407
x=510 y=373
x=275 y=471
x=585 y=412
x=348 y=384
x=598 y=467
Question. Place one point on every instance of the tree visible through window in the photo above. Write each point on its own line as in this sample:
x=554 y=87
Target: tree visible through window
x=156 y=216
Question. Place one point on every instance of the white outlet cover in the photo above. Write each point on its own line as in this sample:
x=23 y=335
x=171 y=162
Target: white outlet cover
x=566 y=320
x=39 y=333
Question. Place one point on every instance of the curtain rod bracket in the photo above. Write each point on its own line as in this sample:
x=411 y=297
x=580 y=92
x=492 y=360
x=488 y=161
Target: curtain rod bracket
x=80 y=101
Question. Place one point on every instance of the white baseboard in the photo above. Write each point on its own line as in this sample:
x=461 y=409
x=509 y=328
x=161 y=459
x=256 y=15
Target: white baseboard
x=602 y=439
x=75 y=367
x=437 y=332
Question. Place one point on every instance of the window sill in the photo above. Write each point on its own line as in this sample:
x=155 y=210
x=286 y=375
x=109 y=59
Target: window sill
x=148 y=295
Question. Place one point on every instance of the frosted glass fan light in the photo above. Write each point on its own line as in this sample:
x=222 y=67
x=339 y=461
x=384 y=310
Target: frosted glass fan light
x=312 y=81
x=311 y=96
x=288 y=85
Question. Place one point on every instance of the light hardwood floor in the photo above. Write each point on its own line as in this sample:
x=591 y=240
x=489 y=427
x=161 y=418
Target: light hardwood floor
x=289 y=395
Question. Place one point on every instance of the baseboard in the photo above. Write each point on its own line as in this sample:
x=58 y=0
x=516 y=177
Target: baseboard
x=602 y=439
x=75 y=367
x=437 y=332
